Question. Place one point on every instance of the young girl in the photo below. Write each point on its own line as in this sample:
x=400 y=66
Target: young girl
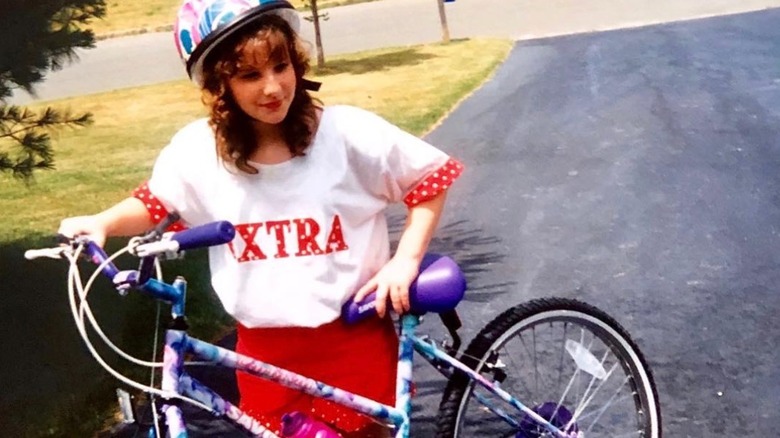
x=306 y=188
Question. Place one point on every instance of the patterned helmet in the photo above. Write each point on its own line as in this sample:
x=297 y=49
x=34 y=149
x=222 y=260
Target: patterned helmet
x=202 y=24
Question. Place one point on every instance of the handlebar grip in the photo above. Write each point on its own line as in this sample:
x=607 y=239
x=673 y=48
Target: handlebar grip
x=211 y=234
x=53 y=253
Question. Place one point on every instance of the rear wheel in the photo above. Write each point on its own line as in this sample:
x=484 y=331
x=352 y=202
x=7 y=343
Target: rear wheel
x=568 y=361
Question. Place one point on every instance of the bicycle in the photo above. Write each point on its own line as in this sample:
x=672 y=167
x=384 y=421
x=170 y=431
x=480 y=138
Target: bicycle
x=599 y=383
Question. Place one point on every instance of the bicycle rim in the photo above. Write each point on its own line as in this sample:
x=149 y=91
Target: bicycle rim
x=569 y=362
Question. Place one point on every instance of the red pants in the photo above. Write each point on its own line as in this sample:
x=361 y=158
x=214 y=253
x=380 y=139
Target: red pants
x=360 y=358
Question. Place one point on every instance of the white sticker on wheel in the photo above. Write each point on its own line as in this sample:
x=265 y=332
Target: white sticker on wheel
x=585 y=360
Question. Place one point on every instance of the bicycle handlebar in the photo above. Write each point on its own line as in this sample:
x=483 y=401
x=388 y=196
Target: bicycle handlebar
x=211 y=234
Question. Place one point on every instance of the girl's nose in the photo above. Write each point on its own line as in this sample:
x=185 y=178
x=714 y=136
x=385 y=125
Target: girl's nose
x=271 y=85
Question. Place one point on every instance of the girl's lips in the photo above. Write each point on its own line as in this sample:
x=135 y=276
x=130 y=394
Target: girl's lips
x=272 y=105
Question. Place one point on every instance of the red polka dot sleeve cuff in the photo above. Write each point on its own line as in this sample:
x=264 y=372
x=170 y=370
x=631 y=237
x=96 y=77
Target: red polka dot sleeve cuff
x=435 y=183
x=155 y=208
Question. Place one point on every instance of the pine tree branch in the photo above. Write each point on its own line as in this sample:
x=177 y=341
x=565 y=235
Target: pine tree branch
x=50 y=119
x=36 y=37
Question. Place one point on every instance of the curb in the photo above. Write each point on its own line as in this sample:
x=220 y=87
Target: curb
x=130 y=32
x=169 y=27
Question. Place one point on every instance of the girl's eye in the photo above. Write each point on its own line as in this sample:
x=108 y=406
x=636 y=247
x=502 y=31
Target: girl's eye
x=282 y=66
x=249 y=75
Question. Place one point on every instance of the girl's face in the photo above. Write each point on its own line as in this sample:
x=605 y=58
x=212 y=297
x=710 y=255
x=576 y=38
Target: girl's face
x=263 y=85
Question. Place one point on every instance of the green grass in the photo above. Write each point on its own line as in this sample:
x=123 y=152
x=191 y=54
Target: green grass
x=413 y=87
x=127 y=15
x=156 y=15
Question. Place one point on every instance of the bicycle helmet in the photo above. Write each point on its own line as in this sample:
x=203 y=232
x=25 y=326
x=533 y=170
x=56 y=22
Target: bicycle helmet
x=202 y=24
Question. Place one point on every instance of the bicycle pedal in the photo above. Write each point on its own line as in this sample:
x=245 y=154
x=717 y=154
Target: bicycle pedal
x=496 y=366
x=494 y=362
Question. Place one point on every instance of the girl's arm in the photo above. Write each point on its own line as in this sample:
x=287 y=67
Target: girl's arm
x=128 y=217
x=394 y=278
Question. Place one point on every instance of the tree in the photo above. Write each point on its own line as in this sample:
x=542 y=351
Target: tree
x=445 y=28
x=315 y=18
x=36 y=37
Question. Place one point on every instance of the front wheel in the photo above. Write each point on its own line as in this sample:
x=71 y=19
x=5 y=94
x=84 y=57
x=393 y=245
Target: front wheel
x=568 y=361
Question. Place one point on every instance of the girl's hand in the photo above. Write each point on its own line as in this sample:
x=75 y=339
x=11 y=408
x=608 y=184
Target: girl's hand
x=391 y=281
x=126 y=218
x=90 y=226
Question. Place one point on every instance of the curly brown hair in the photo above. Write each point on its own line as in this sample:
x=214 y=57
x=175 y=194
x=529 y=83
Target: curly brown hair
x=235 y=138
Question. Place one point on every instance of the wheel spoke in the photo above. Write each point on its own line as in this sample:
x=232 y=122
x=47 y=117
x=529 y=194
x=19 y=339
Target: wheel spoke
x=599 y=412
x=589 y=396
x=568 y=362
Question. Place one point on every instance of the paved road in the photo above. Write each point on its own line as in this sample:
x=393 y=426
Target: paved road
x=151 y=58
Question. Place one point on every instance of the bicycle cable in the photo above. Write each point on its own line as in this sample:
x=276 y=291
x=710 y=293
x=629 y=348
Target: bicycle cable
x=153 y=400
x=84 y=308
x=96 y=326
x=75 y=286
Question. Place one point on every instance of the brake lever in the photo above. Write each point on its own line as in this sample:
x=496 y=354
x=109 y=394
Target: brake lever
x=64 y=240
x=157 y=232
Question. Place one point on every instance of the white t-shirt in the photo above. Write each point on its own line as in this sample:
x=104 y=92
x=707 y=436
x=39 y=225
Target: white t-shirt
x=309 y=231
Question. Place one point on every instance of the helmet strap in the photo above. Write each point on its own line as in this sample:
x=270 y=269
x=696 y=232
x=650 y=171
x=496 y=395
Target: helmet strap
x=310 y=85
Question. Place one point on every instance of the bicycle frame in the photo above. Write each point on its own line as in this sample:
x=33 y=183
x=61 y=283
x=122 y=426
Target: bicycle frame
x=176 y=380
x=438 y=288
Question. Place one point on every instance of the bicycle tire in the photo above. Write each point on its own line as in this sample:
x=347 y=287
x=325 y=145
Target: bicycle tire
x=484 y=354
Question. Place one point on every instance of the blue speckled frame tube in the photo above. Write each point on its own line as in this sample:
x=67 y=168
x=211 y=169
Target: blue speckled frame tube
x=433 y=354
x=404 y=379
x=178 y=343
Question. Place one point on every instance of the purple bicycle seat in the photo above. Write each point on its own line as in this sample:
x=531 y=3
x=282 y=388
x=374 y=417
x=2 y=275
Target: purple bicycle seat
x=439 y=287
